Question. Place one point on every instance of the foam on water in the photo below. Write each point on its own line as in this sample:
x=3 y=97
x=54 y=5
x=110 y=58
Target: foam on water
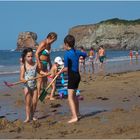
x=10 y=72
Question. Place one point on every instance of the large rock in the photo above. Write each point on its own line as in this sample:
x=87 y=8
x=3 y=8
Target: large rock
x=112 y=34
x=27 y=39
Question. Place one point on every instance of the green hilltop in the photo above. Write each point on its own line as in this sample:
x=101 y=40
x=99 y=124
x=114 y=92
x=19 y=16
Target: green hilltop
x=114 y=21
x=117 y=21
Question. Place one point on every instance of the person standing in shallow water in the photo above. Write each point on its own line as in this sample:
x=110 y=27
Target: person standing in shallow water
x=43 y=57
x=71 y=65
x=136 y=54
x=131 y=55
x=101 y=54
x=82 y=61
x=91 y=61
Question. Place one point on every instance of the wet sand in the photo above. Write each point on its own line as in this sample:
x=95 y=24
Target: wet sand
x=110 y=109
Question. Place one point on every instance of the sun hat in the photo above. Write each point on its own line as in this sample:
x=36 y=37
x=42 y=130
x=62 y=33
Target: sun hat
x=58 y=60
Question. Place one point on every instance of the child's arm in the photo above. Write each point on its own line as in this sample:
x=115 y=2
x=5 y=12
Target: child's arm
x=22 y=71
x=65 y=69
x=42 y=72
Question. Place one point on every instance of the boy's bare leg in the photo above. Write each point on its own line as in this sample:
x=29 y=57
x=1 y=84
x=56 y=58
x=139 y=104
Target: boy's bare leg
x=71 y=99
x=76 y=103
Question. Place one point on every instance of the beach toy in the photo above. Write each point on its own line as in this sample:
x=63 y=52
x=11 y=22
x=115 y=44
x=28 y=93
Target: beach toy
x=62 y=81
x=61 y=85
x=62 y=93
x=44 y=91
x=77 y=92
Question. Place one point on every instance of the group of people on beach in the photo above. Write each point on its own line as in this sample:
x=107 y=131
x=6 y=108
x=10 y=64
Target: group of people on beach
x=93 y=56
x=30 y=69
x=133 y=53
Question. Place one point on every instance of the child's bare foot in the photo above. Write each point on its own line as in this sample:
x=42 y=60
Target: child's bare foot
x=27 y=120
x=52 y=98
x=38 y=95
x=47 y=97
x=35 y=119
x=73 y=120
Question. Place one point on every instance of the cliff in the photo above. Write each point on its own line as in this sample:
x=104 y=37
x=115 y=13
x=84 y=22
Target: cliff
x=26 y=39
x=114 y=34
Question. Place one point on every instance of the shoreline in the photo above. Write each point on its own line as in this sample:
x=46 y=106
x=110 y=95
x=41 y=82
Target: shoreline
x=110 y=109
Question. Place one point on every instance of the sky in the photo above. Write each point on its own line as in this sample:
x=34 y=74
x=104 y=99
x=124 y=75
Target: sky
x=58 y=16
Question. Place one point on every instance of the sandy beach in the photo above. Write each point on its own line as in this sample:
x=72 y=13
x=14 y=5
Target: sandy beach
x=110 y=109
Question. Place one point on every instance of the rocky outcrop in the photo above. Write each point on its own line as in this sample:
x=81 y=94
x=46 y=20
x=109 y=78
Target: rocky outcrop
x=112 y=34
x=26 y=39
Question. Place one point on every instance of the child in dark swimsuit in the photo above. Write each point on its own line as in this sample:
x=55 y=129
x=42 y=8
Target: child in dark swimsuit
x=71 y=65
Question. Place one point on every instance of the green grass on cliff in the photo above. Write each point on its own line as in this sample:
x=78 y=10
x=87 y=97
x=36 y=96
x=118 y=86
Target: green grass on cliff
x=117 y=21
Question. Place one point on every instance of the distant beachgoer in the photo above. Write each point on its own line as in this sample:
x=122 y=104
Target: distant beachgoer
x=43 y=57
x=131 y=54
x=82 y=61
x=54 y=69
x=96 y=57
x=71 y=65
x=101 y=54
x=136 y=54
x=28 y=70
x=91 y=60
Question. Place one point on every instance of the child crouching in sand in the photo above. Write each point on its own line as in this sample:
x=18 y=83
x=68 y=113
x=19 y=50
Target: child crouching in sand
x=57 y=62
x=29 y=70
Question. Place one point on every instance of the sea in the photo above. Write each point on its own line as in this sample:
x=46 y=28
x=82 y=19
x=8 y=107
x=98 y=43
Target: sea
x=116 y=62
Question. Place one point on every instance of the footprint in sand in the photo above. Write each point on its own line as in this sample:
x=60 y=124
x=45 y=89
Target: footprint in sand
x=118 y=110
x=102 y=98
x=54 y=110
x=19 y=103
x=125 y=100
x=36 y=124
x=18 y=137
x=6 y=95
x=52 y=105
x=125 y=82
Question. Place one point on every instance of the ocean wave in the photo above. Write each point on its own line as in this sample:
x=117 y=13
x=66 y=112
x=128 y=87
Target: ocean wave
x=8 y=72
x=118 y=59
x=113 y=59
x=1 y=66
